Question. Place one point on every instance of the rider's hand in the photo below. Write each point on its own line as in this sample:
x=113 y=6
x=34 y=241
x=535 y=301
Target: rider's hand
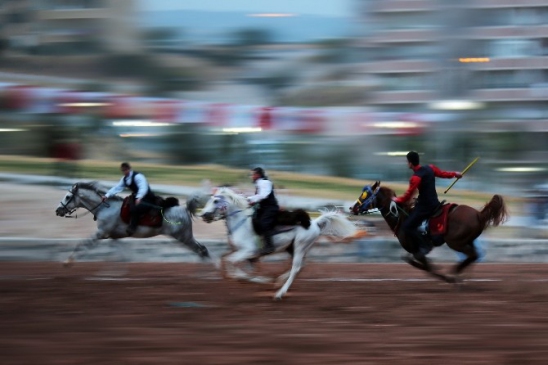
x=458 y=175
x=103 y=198
x=137 y=201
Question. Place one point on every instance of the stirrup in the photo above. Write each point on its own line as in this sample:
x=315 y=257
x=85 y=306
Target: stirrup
x=267 y=250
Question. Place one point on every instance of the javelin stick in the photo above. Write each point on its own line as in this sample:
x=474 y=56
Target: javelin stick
x=462 y=173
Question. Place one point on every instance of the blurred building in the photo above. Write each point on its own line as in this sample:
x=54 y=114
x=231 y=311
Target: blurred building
x=451 y=55
x=70 y=26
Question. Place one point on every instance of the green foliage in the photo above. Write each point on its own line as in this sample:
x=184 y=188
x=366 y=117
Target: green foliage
x=161 y=34
x=252 y=37
x=160 y=79
x=277 y=80
x=324 y=96
x=4 y=45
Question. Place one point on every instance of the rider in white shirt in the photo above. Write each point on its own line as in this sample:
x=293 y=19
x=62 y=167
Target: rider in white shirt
x=267 y=207
x=141 y=193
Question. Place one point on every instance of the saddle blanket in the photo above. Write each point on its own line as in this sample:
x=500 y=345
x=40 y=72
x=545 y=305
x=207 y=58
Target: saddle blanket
x=438 y=224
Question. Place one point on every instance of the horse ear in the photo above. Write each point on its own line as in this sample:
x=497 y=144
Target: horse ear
x=375 y=185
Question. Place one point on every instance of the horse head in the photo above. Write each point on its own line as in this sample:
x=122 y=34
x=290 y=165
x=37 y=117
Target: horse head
x=80 y=195
x=367 y=199
x=221 y=203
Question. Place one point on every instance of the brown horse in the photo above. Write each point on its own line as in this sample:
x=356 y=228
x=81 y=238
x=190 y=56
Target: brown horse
x=464 y=224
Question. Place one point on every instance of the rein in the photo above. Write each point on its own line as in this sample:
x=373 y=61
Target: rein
x=240 y=223
x=74 y=192
x=237 y=225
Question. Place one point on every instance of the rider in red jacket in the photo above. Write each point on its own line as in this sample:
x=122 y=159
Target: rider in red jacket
x=423 y=180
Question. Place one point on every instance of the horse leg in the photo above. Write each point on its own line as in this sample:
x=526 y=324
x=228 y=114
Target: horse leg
x=422 y=263
x=201 y=250
x=115 y=264
x=234 y=272
x=280 y=280
x=87 y=244
x=471 y=257
x=295 y=268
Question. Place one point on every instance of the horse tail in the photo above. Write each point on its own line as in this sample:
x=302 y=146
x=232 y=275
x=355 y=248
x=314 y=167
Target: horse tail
x=193 y=202
x=494 y=212
x=335 y=224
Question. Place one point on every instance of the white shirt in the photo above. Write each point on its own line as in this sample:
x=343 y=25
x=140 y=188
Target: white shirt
x=264 y=188
x=140 y=181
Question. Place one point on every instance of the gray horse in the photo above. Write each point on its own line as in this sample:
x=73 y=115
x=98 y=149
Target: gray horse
x=177 y=220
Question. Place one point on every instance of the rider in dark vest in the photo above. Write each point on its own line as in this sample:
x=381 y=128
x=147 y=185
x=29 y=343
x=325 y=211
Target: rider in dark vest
x=423 y=180
x=142 y=195
x=267 y=209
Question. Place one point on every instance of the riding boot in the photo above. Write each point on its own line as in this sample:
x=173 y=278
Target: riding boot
x=132 y=227
x=421 y=247
x=268 y=247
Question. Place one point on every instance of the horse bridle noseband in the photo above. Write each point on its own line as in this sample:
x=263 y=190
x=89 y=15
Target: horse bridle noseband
x=74 y=191
x=371 y=197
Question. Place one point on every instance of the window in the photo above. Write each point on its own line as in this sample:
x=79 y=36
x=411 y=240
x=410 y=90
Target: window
x=517 y=48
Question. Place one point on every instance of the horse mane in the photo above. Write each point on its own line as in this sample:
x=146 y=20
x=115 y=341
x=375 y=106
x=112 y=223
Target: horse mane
x=239 y=200
x=389 y=193
x=96 y=187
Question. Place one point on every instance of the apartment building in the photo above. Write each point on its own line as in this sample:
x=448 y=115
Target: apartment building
x=488 y=53
x=70 y=26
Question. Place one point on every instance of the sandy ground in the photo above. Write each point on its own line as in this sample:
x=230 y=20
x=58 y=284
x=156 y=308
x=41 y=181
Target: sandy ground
x=334 y=314
x=115 y=313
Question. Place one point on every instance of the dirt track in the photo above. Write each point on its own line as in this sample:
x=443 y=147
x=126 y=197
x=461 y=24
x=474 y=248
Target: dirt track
x=187 y=314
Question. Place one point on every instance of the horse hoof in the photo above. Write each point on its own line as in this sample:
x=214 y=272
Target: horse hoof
x=277 y=298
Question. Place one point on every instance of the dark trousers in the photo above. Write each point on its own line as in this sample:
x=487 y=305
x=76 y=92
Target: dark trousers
x=266 y=218
x=410 y=225
x=139 y=210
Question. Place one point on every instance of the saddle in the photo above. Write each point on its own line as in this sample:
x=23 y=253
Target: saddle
x=152 y=218
x=437 y=223
x=285 y=220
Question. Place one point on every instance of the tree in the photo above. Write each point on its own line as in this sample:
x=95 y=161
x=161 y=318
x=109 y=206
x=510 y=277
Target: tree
x=4 y=45
x=252 y=37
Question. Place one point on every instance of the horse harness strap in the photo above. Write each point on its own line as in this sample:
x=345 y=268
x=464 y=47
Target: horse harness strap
x=74 y=190
x=238 y=225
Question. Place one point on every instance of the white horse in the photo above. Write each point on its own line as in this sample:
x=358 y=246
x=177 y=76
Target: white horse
x=177 y=220
x=297 y=240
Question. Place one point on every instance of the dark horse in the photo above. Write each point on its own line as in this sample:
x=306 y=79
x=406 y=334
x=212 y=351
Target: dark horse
x=463 y=225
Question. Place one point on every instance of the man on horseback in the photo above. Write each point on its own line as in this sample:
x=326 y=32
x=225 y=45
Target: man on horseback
x=423 y=180
x=142 y=195
x=267 y=207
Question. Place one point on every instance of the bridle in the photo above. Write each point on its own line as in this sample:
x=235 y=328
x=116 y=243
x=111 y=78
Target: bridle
x=369 y=202
x=74 y=192
x=220 y=212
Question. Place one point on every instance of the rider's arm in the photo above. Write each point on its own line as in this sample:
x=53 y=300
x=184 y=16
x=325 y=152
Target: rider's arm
x=142 y=185
x=116 y=189
x=414 y=183
x=264 y=188
x=445 y=174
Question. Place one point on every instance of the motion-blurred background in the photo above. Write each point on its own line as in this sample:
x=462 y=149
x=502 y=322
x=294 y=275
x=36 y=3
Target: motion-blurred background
x=332 y=87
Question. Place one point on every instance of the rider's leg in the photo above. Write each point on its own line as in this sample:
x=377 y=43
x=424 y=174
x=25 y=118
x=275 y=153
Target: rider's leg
x=268 y=247
x=419 y=246
x=268 y=221
x=137 y=211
